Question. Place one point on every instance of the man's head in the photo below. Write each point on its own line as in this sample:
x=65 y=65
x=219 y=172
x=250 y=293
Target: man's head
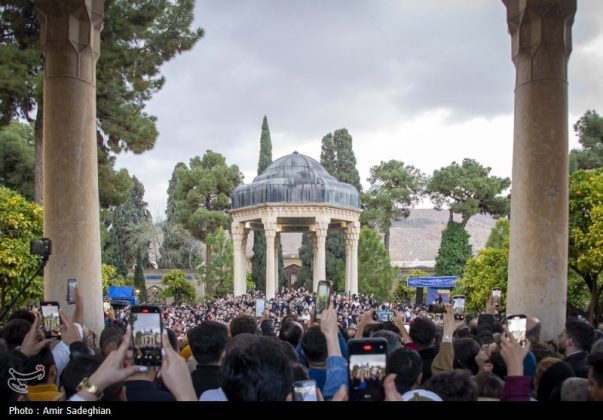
x=243 y=324
x=46 y=359
x=291 y=332
x=207 y=341
x=15 y=331
x=422 y=332
x=314 y=345
x=595 y=376
x=82 y=367
x=260 y=371
x=533 y=327
x=407 y=365
x=577 y=336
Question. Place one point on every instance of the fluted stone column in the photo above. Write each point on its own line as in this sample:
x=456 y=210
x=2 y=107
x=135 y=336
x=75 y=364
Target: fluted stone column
x=70 y=41
x=270 y=234
x=541 y=45
x=352 y=235
x=237 y=231
x=348 y=260
x=320 y=273
x=277 y=241
x=315 y=272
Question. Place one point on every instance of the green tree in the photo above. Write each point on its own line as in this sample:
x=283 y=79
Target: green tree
x=20 y=222
x=375 y=274
x=306 y=273
x=218 y=273
x=345 y=159
x=17 y=158
x=394 y=189
x=112 y=277
x=499 y=235
x=586 y=233
x=178 y=287
x=202 y=194
x=454 y=251
x=138 y=37
x=265 y=147
x=468 y=189
x=589 y=129
x=139 y=280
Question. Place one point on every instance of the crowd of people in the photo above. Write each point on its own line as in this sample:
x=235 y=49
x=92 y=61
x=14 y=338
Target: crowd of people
x=221 y=351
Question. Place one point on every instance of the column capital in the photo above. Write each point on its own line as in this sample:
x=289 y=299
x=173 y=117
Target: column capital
x=237 y=231
x=70 y=37
x=541 y=37
x=322 y=225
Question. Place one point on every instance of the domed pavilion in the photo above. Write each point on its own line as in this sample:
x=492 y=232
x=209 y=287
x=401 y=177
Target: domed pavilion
x=295 y=194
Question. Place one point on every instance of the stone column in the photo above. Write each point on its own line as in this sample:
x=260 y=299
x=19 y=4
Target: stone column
x=348 y=258
x=270 y=234
x=315 y=272
x=70 y=41
x=276 y=273
x=541 y=44
x=320 y=273
x=238 y=256
x=354 y=234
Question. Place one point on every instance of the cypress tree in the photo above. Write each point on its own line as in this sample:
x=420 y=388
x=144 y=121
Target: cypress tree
x=454 y=251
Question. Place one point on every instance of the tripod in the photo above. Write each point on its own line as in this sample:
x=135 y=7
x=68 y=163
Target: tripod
x=12 y=303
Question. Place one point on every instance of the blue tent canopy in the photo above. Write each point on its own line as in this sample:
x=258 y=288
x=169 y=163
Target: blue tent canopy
x=122 y=293
x=439 y=282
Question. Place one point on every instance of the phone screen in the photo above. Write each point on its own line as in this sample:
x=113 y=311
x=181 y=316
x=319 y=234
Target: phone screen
x=458 y=307
x=384 y=316
x=304 y=391
x=516 y=324
x=51 y=319
x=71 y=283
x=146 y=336
x=322 y=298
x=496 y=294
x=367 y=369
x=260 y=305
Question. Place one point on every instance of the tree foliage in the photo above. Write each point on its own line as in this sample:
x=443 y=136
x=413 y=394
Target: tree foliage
x=202 y=194
x=589 y=129
x=178 y=287
x=586 y=232
x=17 y=158
x=306 y=273
x=454 y=251
x=468 y=189
x=20 y=222
x=112 y=277
x=375 y=274
x=404 y=293
x=139 y=280
x=394 y=189
x=218 y=273
x=265 y=147
x=338 y=158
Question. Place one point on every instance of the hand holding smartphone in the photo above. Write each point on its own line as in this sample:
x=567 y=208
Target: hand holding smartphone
x=51 y=319
x=322 y=298
x=260 y=305
x=517 y=325
x=496 y=295
x=71 y=284
x=366 y=363
x=458 y=307
x=146 y=334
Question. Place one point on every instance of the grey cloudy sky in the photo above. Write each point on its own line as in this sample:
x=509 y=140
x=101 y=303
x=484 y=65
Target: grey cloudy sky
x=426 y=82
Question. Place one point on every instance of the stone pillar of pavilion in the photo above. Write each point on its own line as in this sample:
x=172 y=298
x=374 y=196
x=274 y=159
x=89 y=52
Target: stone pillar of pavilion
x=315 y=272
x=237 y=231
x=541 y=45
x=277 y=241
x=270 y=234
x=320 y=272
x=70 y=41
x=352 y=235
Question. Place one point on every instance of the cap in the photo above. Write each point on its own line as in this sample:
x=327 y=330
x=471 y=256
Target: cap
x=420 y=395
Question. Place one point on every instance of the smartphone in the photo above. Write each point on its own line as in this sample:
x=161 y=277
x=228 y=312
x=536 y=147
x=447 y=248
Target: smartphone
x=496 y=295
x=51 y=320
x=366 y=364
x=260 y=305
x=516 y=324
x=458 y=307
x=304 y=391
x=71 y=283
x=322 y=298
x=384 y=315
x=146 y=334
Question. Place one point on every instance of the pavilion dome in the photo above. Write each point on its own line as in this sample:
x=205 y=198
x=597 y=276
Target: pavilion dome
x=295 y=178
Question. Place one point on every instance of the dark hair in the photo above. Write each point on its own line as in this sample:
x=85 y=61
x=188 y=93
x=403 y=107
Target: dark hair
x=44 y=358
x=489 y=385
x=291 y=332
x=314 y=345
x=407 y=365
x=259 y=372
x=15 y=331
x=82 y=367
x=596 y=362
x=393 y=339
x=499 y=367
x=582 y=334
x=243 y=324
x=453 y=386
x=11 y=360
x=110 y=335
x=465 y=350
x=422 y=332
x=207 y=341
x=24 y=314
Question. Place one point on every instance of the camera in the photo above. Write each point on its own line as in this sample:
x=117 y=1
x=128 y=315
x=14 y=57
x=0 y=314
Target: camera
x=42 y=247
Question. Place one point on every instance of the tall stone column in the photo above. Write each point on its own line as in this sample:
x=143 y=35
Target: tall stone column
x=70 y=41
x=270 y=234
x=315 y=272
x=541 y=44
x=320 y=273
x=277 y=241
x=353 y=234
x=238 y=256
